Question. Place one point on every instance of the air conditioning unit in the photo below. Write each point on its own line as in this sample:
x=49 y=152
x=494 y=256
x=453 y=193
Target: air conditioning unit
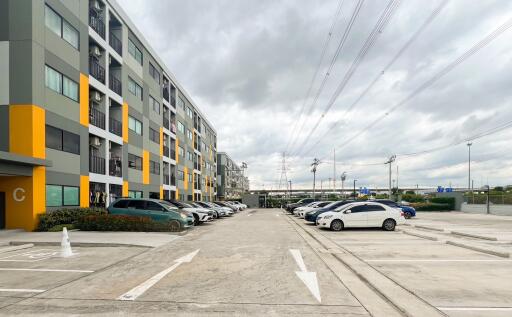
x=95 y=51
x=95 y=141
x=96 y=96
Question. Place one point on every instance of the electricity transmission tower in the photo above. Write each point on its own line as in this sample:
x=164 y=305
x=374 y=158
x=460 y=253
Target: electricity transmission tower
x=283 y=179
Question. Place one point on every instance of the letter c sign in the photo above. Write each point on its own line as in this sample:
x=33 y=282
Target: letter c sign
x=18 y=197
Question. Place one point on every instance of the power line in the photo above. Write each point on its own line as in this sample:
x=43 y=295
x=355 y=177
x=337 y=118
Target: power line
x=322 y=55
x=474 y=49
x=341 y=44
x=407 y=44
x=368 y=44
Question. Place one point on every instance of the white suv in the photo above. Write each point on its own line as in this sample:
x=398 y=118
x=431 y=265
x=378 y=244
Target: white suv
x=361 y=214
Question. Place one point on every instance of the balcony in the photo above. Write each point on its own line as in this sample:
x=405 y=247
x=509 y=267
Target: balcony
x=115 y=43
x=96 y=24
x=114 y=84
x=115 y=126
x=166 y=151
x=166 y=93
x=166 y=179
x=96 y=70
x=173 y=180
x=173 y=154
x=115 y=167
x=96 y=164
x=173 y=101
x=97 y=118
x=166 y=122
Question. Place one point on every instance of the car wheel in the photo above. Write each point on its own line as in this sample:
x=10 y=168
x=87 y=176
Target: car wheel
x=389 y=225
x=216 y=215
x=336 y=225
x=196 y=220
x=407 y=215
x=174 y=225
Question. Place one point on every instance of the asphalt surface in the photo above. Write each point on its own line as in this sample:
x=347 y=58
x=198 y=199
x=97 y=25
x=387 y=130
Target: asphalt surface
x=266 y=263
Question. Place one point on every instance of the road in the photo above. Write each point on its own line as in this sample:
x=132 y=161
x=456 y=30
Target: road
x=261 y=263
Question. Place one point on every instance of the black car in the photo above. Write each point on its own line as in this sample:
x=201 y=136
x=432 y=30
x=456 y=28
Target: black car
x=311 y=215
x=300 y=203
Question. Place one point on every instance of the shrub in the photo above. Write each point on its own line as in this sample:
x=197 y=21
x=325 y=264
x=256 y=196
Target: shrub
x=450 y=201
x=431 y=207
x=59 y=228
x=413 y=198
x=64 y=216
x=105 y=222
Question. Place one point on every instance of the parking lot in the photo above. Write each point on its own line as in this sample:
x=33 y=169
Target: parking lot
x=266 y=262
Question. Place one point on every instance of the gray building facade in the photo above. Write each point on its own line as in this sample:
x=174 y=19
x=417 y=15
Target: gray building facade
x=231 y=181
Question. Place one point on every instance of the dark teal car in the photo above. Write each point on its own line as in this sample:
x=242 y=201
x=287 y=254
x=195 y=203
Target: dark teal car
x=155 y=209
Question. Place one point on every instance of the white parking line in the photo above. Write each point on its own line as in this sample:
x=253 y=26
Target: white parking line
x=45 y=270
x=475 y=308
x=436 y=260
x=22 y=290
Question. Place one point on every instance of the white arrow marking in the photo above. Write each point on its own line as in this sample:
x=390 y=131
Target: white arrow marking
x=140 y=289
x=308 y=278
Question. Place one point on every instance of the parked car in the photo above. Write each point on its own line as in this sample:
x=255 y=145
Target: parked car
x=217 y=211
x=224 y=204
x=196 y=204
x=156 y=209
x=310 y=216
x=310 y=205
x=235 y=202
x=302 y=210
x=237 y=206
x=227 y=210
x=200 y=214
x=302 y=202
x=361 y=214
x=409 y=211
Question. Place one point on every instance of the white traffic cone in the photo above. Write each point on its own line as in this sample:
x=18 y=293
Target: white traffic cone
x=65 y=245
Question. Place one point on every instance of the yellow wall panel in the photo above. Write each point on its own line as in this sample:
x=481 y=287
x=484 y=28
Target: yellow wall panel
x=125 y=189
x=27 y=130
x=161 y=141
x=84 y=191
x=125 y=122
x=185 y=181
x=84 y=100
x=145 y=167
x=161 y=192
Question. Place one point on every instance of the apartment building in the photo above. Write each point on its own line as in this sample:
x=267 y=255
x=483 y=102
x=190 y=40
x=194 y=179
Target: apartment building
x=231 y=182
x=89 y=112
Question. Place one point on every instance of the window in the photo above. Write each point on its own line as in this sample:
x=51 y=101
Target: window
x=135 y=125
x=154 y=167
x=134 y=51
x=155 y=105
x=154 y=136
x=358 y=209
x=136 y=204
x=151 y=205
x=154 y=73
x=181 y=152
x=60 y=83
x=121 y=204
x=189 y=135
x=190 y=113
x=134 y=88
x=61 y=140
x=190 y=178
x=374 y=208
x=57 y=195
x=180 y=175
x=61 y=27
x=181 y=127
x=134 y=162
x=190 y=156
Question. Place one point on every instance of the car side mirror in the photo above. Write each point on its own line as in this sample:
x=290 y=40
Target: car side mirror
x=347 y=211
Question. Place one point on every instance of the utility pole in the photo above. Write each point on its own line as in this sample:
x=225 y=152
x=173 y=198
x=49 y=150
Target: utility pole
x=390 y=161
x=397 y=178
x=321 y=189
x=334 y=172
x=343 y=177
x=314 y=165
x=290 y=181
x=469 y=165
x=355 y=180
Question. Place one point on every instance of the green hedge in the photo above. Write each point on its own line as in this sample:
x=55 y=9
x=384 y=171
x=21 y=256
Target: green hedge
x=104 y=222
x=450 y=201
x=432 y=207
x=65 y=216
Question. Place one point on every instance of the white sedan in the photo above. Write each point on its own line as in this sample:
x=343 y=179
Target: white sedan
x=302 y=212
x=361 y=214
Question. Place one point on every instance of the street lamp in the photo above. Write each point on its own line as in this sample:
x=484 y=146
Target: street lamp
x=355 y=180
x=390 y=161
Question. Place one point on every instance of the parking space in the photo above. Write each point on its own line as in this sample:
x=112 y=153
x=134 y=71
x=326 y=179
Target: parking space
x=456 y=280
x=27 y=272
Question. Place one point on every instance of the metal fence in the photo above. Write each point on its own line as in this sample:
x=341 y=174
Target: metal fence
x=495 y=199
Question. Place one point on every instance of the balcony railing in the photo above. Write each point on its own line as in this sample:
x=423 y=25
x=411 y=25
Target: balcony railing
x=97 y=118
x=96 y=70
x=115 y=43
x=115 y=126
x=114 y=84
x=166 y=93
x=166 y=179
x=166 y=123
x=166 y=151
x=173 y=101
x=96 y=164
x=96 y=24
x=173 y=127
x=115 y=168
x=173 y=154
x=173 y=180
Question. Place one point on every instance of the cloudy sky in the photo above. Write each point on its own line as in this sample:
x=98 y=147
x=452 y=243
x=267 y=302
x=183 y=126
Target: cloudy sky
x=249 y=64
